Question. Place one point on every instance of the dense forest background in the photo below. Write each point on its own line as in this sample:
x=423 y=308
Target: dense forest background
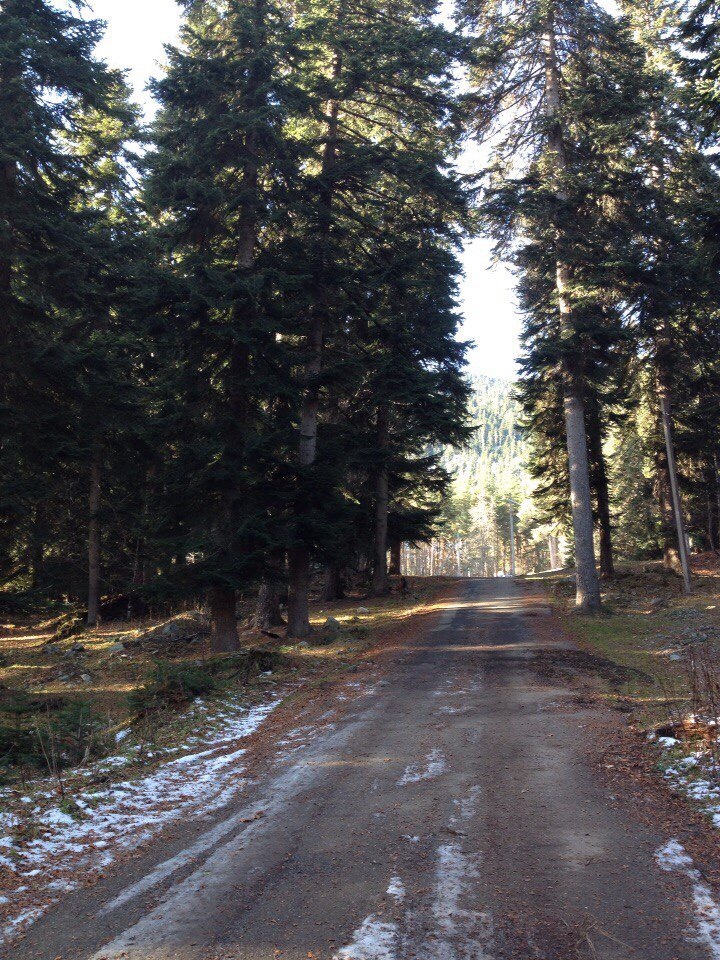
x=230 y=356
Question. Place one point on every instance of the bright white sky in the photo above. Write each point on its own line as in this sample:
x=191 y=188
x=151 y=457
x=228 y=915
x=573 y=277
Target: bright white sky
x=136 y=32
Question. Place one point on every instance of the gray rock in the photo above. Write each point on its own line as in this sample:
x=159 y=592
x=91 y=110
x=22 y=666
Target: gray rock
x=116 y=648
x=363 y=610
x=77 y=648
x=303 y=644
x=331 y=624
x=86 y=678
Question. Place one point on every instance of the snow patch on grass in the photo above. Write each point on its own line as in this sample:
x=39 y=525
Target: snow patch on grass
x=127 y=814
x=694 y=775
x=673 y=858
x=433 y=766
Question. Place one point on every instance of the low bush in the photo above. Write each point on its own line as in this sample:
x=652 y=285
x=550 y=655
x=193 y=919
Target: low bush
x=171 y=685
x=51 y=735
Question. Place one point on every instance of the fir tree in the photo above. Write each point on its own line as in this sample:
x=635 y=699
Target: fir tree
x=558 y=79
x=222 y=187
x=51 y=266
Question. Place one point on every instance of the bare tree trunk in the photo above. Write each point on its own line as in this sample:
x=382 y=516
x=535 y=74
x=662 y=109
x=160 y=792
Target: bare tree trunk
x=333 y=586
x=299 y=593
x=380 y=582
x=36 y=554
x=223 y=619
x=267 y=611
x=671 y=556
x=588 y=584
x=601 y=489
x=666 y=413
x=299 y=556
x=553 y=551
x=94 y=538
x=395 y=569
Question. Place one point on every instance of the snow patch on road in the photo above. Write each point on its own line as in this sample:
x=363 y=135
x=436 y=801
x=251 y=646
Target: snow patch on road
x=460 y=932
x=468 y=805
x=375 y=939
x=673 y=858
x=396 y=889
x=433 y=766
x=126 y=814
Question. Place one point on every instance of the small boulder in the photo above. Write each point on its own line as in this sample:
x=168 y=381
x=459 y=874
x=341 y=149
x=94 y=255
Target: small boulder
x=86 y=678
x=303 y=644
x=363 y=610
x=116 y=648
x=77 y=648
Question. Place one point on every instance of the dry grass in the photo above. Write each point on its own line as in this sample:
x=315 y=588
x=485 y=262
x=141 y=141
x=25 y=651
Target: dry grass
x=651 y=628
x=33 y=663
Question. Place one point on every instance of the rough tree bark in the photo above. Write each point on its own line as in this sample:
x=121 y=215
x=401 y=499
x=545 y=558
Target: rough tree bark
x=93 y=602
x=267 y=611
x=223 y=619
x=672 y=477
x=601 y=489
x=588 y=584
x=671 y=555
x=380 y=582
x=395 y=569
x=553 y=551
x=333 y=588
x=300 y=555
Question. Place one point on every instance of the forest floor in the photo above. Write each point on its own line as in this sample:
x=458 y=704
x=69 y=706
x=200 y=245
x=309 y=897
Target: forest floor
x=654 y=655
x=462 y=773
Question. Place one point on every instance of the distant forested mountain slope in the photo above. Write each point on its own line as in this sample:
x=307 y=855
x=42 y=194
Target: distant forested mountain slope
x=496 y=453
x=490 y=482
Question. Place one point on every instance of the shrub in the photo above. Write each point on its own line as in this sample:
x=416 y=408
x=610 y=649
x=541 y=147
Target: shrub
x=171 y=685
x=52 y=735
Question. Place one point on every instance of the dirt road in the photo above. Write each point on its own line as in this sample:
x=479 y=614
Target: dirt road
x=448 y=813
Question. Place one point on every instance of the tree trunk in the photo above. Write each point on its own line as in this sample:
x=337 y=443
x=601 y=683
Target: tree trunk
x=380 y=582
x=588 y=584
x=672 y=477
x=36 y=553
x=300 y=555
x=298 y=595
x=93 y=604
x=267 y=611
x=671 y=556
x=223 y=598
x=601 y=489
x=223 y=619
x=395 y=569
x=553 y=551
x=333 y=586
